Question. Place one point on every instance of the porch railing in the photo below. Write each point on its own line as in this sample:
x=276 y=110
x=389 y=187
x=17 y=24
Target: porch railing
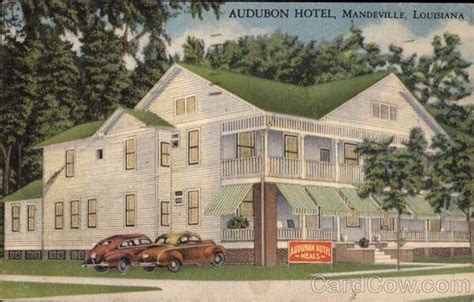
x=237 y=234
x=320 y=170
x=420 y=236
x=281 y=166
x=241 y=166
x=328 y=234
x=350 y=173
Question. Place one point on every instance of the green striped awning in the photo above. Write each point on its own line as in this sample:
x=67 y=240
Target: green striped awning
x=366 y=207
x=453 y=213
x=391 y=212
x=421 y=207
x=329 y=201
x=298 y=198
x=227 y=199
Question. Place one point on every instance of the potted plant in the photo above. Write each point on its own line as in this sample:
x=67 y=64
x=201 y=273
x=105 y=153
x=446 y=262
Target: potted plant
x=344 y=237
x=377 y=238
x=364 y=242
x=238 y=223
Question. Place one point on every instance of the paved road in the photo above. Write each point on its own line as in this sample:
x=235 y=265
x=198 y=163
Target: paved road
x=300 y=290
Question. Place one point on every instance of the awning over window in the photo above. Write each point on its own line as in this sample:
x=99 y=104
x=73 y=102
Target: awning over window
x=366 y=207
x=391 y=212
x=329 y=201
x=298 y=198
x=421 y=207
x=453 y=213
x=227 y=199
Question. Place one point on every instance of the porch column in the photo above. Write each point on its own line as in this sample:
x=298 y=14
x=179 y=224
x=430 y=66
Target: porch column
x=426 y=230
x=338 y=228
x=265 y=235
x=337 y=160
x=303 y=227
x=451 y=231
x=302 y=161
x=369 y=228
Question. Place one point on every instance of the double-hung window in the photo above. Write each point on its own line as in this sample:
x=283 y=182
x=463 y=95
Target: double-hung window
x=193 y=207
x=165 y=154
x=245 y=144
x=193 y=147
x=291 y=146
x=31 y=218
x=75 y=214
x=130 y=210
x=130 y=154
x=165 y=213
x=92 y=213
x=70 y=163
x=59 y=215
x=350 y=156
x=15 y=218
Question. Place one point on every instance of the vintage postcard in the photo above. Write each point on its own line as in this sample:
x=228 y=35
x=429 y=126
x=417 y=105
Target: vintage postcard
x=227 y=151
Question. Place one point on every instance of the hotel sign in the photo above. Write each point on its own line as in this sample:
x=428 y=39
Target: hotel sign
x=310 y=251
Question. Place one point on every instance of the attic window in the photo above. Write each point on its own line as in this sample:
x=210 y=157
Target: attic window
x=185 y=105
x=384 y=111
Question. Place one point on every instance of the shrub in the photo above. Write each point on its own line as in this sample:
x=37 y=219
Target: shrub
x=364 y=242
x=237 y=223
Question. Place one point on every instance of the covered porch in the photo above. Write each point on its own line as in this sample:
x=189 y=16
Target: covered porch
x=337 y=214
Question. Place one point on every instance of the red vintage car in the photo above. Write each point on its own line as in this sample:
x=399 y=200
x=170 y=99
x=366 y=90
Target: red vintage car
x=175 y=249
x=117 y=251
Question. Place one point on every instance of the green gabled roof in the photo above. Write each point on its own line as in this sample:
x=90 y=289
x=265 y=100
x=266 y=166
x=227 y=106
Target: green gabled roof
x=76 y=132
x=305 y=101
x=88 y=129
x=33 y=190
x=148 y=117
x=421 y=207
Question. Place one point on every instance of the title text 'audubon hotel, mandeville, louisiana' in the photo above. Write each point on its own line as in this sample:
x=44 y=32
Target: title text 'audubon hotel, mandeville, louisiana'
x=327 y=13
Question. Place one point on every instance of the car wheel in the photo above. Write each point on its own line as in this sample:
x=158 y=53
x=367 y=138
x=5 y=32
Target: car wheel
x=100 y=269
x=148 y=268
x=174 y=266
x=123 y=266
x=218 y=259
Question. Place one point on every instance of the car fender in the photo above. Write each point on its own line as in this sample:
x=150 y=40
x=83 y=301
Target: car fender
x=116 y=257
x=169 y=254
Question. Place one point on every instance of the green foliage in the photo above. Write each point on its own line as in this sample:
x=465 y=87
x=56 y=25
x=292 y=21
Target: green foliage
x=238 y=223
x=364 y=242
x=193 y=50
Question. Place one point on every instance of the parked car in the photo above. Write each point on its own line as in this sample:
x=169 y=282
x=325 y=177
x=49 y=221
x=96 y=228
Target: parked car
x=117 y=251
x=176 y=249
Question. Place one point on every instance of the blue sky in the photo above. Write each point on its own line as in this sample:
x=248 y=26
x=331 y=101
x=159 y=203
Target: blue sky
x=418 y=33
x=318 y=29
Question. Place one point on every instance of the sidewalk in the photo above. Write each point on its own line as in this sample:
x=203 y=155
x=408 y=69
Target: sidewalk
x=299 y=290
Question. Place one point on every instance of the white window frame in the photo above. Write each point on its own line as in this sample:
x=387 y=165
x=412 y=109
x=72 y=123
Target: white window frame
x=199 y=206
x=185 y=104
x=379 y=105
x=125 y=153
x=125 y=209
x=198 y=147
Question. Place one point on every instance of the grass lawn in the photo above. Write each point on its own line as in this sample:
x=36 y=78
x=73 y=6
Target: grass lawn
x=191 y=272
x=441 y=271
x=456 y=259
x=468 y=298
x=21 y=290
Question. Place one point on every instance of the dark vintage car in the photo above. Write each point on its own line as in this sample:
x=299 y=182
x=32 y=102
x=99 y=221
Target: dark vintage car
x=176 y=249
x=117 y=251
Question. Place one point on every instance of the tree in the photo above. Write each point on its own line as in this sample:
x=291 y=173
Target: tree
x=393 y=173
x=104 y=76
x=404 y=67
x=444 y=76
x=450 y=181
x=193 y=50
x=148 y=71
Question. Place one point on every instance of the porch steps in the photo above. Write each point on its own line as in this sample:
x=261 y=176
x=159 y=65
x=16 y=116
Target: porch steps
x=382 y=258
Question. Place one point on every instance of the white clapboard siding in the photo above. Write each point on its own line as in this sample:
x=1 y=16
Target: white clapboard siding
x=209 y=104
x=23 y=239
x=358 y=111
x=105 y=180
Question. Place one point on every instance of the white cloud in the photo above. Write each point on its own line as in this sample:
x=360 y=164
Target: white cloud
x=393 y=31
x=229 y=30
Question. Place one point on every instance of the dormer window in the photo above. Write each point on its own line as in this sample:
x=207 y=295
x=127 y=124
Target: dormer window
x=384 y=111
x=185 y=105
